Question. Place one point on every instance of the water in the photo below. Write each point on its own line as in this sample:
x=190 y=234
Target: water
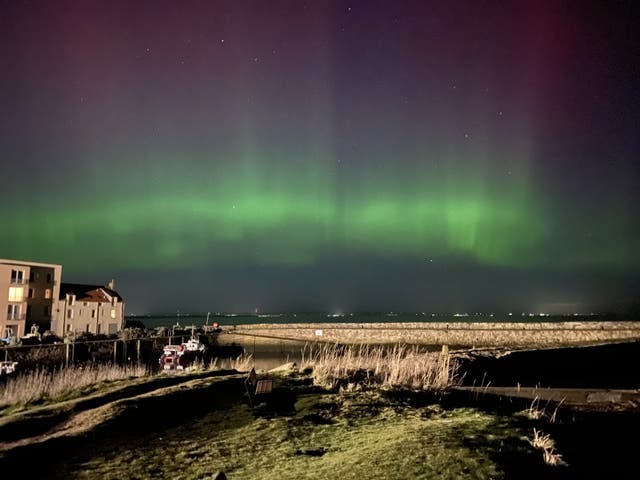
x=151 y=321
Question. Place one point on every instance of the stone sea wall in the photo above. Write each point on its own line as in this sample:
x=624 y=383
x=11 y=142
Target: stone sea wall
x=476 y=334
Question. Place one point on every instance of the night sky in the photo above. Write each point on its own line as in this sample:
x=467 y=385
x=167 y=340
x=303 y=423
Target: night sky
x=291 y=155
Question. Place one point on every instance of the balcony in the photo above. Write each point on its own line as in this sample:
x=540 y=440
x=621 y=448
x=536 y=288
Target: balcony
x=16 y=317
x=18 y=281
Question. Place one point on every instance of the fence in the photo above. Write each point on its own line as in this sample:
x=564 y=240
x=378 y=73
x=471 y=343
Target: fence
x=143 y=351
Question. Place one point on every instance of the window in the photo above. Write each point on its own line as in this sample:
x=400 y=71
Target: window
x=17 y=276
x=32 y=276
x=113 y=313
x=98 y=331
x=47 y=293
x=48 y=278
x=13 y=312
x=87 y=328
x=69 y=313
x=31 y=293
x=47 y=310
x=93 y=313
x=16 y=294
x=69 y=327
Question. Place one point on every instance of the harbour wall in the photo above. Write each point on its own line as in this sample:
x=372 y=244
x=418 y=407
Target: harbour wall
x=472 y=334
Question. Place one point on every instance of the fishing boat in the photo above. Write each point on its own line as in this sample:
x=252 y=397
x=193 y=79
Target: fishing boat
x=184 y=355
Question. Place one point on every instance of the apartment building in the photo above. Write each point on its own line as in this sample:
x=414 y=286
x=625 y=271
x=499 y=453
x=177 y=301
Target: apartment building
x=88 y=308
x=27 y=293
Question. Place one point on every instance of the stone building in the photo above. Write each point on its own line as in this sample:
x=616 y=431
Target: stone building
x=89 y=308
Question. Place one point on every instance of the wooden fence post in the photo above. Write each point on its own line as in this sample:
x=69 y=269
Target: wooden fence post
x=115 y=352
x=66 y=361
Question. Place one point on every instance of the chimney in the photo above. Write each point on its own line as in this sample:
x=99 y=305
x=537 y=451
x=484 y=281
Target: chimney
x=112 y=284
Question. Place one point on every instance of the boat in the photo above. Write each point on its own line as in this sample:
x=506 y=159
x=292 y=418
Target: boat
x=184 y=355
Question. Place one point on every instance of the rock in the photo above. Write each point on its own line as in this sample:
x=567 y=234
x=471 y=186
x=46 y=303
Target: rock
x=604 y=397
x=286 y=368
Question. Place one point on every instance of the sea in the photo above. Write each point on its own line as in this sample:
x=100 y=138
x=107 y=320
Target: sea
x=231 y=319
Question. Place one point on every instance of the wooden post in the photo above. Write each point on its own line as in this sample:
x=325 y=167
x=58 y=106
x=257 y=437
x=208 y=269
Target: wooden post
x=138 y=351
x=66 y=361
x=73 y=353
x=115 y=351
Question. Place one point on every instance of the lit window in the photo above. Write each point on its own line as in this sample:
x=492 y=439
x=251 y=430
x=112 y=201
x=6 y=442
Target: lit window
x=47 y=293
x=113 y=313
x=16 y=294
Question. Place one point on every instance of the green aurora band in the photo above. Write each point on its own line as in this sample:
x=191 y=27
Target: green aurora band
x=287 y=213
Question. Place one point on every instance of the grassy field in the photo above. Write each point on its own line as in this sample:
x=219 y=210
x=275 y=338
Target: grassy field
x=348 y=435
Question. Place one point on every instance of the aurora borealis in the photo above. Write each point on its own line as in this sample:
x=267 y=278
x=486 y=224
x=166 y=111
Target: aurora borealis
x=229 y=155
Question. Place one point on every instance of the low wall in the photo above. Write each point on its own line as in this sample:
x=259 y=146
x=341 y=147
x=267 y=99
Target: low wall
x=461 y=334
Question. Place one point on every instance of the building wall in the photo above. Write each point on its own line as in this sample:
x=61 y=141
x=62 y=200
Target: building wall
x=77 y=316
x=13 y=299
x=44 y=287
x=24 y=299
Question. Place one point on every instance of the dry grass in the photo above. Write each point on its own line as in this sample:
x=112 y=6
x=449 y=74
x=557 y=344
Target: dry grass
x=535 y=412
x=548 y=446
x=242 y=363
x=400 y=366
x=39 y=385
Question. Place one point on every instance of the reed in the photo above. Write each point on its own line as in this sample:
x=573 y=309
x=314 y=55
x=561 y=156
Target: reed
x=39 y=385
x=545 y=443
x=397 y=367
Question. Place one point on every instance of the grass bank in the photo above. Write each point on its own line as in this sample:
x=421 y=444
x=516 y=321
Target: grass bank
x=348 y=435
